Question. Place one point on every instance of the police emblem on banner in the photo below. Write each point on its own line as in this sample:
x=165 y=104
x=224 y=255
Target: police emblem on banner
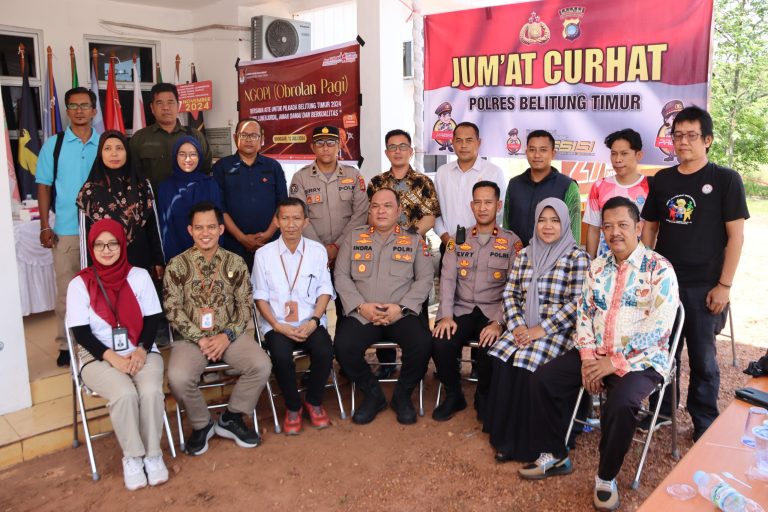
x=535 y=31
x=571 y=17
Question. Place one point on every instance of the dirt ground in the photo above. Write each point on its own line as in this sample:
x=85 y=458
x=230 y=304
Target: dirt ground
x=381 y=466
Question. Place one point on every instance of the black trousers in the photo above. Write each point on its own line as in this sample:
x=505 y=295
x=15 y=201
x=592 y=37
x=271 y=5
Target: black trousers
x=410 y=332
x=445 y=352
x=554 y=388
x=320 y=350
x=389 y=355
x=699 y=330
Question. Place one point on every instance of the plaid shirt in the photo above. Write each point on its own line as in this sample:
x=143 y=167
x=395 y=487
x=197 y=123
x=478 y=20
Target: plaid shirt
x=559 y=291
x=626 y=311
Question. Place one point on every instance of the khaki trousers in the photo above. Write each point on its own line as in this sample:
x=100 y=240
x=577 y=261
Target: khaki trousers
x=188 y=362
x=135 y=403
x=66 y=263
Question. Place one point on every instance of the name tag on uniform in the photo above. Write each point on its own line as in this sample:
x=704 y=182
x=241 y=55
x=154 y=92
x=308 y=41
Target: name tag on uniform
x=206 y=319
x=291 y=311
x=119 y=339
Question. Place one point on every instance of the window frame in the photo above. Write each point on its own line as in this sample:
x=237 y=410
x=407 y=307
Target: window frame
x=17 y=81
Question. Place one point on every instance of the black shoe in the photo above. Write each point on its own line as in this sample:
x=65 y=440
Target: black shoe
x=453 y=403
x=197 y=444
x=373 y=403
x=501 y=457
x=63 y=359
x=403 y=407
x=386 y=371
x=645 y=423
x=232 y=426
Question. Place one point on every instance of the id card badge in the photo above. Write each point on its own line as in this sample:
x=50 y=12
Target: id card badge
x=206 y=319
x=291 y=311
x=119 y=339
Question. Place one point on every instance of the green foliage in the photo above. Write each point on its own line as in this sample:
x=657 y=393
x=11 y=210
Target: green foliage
x=739 y=94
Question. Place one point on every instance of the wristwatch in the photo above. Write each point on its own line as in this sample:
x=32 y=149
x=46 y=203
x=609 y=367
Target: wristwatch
x=405 y=311
x=317 y=320
x=229 y=334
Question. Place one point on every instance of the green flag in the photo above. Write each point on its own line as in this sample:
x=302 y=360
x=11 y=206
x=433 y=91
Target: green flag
x=159 y=74
x=73 y=65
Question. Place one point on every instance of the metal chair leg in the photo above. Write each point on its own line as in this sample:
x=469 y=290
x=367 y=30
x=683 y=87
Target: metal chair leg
x=338 y=394
x=675 y=449
x=421 y=397
x=649 y=435
x=87 y=434
x=181 y=429
x=274 y=410
x=75 y=440
x=573 y=416
x=168 y=432
x=439 y=392
x=352 y=409
x=733 y=338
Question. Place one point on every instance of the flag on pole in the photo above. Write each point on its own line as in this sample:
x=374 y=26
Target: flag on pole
x=12 y=184
x=158 y=74
x=113 y=112
x=182 y=121
x=51 y=113
x=73 y=66
x=139 y=121
x=29 y=139
x=196 y=120
x=98 y=120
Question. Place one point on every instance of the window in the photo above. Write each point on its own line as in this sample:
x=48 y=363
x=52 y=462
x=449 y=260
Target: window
x=124 y=49
x=9 y=53
x=408 y=59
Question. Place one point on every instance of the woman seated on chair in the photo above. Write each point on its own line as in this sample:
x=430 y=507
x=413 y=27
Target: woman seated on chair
x=116 y=190
x=539 y=326
x=186 y=186
x=113 y=312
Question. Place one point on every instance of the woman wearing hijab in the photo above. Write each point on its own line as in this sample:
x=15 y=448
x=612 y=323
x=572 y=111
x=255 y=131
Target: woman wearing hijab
x=113 y=311
x=186 y=187
x=115 y=190
x=539 y=326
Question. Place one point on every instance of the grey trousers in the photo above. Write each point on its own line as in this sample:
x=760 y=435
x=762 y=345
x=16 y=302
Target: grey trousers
x=135 y=403
x=66 y=263
x=188 y=362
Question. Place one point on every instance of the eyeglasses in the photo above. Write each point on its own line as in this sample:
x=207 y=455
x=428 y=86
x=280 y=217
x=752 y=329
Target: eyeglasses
x=191 y=156
x=691 y=136
x=79 y=106
x=402 y=147
x=100 y=246
x=249 y=136
x=326 y=142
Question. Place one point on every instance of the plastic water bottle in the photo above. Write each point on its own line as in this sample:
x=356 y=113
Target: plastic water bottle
x=722 y=495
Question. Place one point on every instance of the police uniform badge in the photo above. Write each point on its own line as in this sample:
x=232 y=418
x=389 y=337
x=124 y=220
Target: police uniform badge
x=451 y=246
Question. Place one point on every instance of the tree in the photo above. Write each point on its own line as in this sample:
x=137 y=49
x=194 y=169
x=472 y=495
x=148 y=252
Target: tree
x=739 y=94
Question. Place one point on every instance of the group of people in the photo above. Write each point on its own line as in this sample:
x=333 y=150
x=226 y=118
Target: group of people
x=548 y=317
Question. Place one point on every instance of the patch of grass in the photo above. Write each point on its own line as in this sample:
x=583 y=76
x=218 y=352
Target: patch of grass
x=757 y=205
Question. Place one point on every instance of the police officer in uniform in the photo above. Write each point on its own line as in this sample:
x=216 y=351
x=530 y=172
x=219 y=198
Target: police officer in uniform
x=471 y=283
x=383 y=275
x=334 y=194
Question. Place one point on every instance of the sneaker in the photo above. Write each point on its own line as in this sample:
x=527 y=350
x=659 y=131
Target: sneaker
x=292 y=423
x=318 y=417
x=157 y=473
x=606 y=495
x=545 y=466
x=133 y=473
x=197 y=444
x=63 y=360
x=232 y=426
x=645 y=423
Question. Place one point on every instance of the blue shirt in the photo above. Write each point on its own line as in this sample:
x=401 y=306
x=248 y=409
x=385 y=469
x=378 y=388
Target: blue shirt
x=250 y=193
x=75 y=162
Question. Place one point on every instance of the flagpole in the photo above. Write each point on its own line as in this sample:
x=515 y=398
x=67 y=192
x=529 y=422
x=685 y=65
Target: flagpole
x=21 y=57
x=51 y=116
x=95 y=57
x=73 y=68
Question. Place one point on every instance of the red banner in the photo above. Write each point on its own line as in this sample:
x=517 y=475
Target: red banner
x=196 y=96
x=290 y=96
x=580 y=70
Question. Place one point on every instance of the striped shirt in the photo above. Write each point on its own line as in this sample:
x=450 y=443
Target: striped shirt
x=627 y=311
x=559 y=291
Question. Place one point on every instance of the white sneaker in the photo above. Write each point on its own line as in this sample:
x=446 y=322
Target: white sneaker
x=606 y=496
x=157 y=473
x=133 y=473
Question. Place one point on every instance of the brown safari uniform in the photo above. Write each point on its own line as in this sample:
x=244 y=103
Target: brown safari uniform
x=471 y=284
x=395 y=270
x=337 y=204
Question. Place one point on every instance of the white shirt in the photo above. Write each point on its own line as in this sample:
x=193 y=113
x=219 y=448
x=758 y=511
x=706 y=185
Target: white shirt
x=79 y=310
x=454 y=192
x=270 y=283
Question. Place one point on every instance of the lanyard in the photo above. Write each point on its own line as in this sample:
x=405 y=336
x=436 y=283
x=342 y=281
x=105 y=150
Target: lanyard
x=207 y=293
x=109 y=303
x=298 y=270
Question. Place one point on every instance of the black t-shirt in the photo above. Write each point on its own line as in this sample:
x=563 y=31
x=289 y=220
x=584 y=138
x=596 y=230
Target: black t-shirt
x=692 y=210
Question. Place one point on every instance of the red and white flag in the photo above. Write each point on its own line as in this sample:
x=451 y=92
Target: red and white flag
x=139 y=121
x=113 y=112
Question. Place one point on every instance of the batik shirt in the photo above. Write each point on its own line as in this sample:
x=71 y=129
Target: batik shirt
x=417 y=195
x=626 y=311
x=558 y=290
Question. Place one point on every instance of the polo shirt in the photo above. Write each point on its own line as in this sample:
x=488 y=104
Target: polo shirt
x=75 y=162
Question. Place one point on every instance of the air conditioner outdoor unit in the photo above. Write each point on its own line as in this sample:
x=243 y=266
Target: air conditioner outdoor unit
x=278 y=37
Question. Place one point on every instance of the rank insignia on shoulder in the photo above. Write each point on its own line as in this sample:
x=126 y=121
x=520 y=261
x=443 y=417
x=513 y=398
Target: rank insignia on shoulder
x=347 y=181
x=465 y=247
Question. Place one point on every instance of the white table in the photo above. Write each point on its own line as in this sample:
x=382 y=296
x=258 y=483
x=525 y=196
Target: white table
x=37 y=281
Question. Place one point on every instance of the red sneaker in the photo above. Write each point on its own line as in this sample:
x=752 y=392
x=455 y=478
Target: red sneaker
x=292 y=423
x=317 y=415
